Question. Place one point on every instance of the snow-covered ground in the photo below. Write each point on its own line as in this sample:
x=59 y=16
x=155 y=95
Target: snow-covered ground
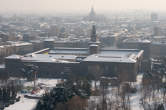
x=135 y=103
x=29 y=104
x=23 y=104
x=44 y=82
x=135 y=98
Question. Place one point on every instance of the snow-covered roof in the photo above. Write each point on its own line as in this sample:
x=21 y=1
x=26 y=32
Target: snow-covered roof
x=122 y=56
x=49 y=40
x=45 y=58
x=13 y=57
x=72 y=51
x=93 y=45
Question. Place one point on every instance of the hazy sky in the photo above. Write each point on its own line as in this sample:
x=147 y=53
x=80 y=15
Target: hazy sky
x=79 y=5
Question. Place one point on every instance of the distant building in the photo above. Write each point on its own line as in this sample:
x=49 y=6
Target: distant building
x=49 y=43
x=93 y=17
x=153 y=47
x=20 y=48
x=142 y=45
x=138 y=44
x=158 y=48
x=154 y=17
x=155 y=24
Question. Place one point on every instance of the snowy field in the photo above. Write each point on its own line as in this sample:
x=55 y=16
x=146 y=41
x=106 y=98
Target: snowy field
x=23 y=104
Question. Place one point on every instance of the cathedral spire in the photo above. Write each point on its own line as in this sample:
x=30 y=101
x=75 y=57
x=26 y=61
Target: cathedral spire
x=92 y=12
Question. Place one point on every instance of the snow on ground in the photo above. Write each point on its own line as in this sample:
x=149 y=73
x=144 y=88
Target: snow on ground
x=29 y=104
x=135 y=103
x=46 y=82
x=135 y=98
x=23 y=104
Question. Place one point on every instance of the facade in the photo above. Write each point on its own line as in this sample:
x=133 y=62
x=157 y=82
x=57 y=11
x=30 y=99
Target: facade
x=153 y=47
x=142 y=45
x=124 y=64
x=94 y=61
x=138 y=44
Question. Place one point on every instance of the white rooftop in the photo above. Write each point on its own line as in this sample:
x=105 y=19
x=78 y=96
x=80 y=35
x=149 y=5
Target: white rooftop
x=45 y=58
x=122 y=56
x=13 y=57
x=71 y=51
x=119 y=55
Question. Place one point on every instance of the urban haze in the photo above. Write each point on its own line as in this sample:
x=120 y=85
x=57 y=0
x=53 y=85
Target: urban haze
x=82 y=55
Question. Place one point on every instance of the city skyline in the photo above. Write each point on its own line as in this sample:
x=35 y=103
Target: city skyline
x=79 y=6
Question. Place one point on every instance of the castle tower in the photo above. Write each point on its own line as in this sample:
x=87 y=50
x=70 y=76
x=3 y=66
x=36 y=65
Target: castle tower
x=94 y=44
x=93 y=34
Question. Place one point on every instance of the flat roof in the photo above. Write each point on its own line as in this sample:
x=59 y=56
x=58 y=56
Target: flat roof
x=45 y=58
x=105 y=55
x=121 y=56
x=14 y=56
x=72 y=51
